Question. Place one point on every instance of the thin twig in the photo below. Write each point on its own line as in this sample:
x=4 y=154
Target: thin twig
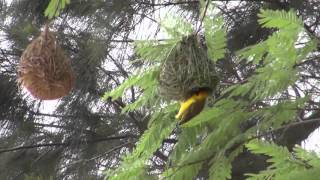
x=65 y=143
x=33 y=146
x=168 y=3
x=96 y=157
x=203 y=16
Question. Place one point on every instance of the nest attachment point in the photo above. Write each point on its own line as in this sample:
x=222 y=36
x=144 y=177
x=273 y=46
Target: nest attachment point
x=187 y=69
x=44 y=70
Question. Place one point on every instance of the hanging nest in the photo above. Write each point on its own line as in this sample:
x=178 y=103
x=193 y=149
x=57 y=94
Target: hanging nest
x=187 y=69
x=44 y=70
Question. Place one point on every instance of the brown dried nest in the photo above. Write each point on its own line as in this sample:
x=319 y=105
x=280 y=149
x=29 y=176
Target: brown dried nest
x=187 y=69
x=44 y=70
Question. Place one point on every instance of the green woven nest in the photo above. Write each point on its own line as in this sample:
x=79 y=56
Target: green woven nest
x=186 y=69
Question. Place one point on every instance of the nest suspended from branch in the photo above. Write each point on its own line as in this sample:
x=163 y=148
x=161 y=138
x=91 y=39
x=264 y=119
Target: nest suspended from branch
x=187 y=69
x=44 y=70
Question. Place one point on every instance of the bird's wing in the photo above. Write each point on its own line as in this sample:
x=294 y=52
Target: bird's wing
x=185 y=106
x=193 y=110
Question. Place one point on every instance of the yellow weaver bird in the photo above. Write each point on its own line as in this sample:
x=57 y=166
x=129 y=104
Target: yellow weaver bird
x=192 y=105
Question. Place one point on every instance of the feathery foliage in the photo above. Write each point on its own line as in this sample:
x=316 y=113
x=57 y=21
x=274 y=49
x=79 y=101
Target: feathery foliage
x=147 y=81
x=216 y=136
x=280 y=19
x=154 y=50
x=284 y=164
x=215 y=33
x=220 y=168
x=55 y=7
x=134 y=164
x=176 y=27
x=278 y=54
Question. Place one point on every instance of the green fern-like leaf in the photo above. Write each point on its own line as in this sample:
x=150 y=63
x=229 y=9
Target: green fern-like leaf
x=278 y=71
x=279 y=54
x=304 y=51
x=188 y=171
x=176 y=27
x=55 y=7
x=226 y=128
x=155 y=51
x=280 y=19
x=285 y=165
x=277 y=153
x=279 y=114
x=309 y=174
x=281 y=45
x=188 y=138
x=116 y=93
x=253 y=53
x=215 y=35
x=220 y=168
x=310 y=158
x=136 y=162
x=144 y=80
x=149 y=96
x=221 y=109
x=215 y=31
x=283 y=162
x=162 y=126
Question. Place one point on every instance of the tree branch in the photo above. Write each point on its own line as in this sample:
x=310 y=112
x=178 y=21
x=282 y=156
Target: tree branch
x=203 y=16
x=33 y=146
x=168 y=3
x=2 y=150
x=96 y=157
